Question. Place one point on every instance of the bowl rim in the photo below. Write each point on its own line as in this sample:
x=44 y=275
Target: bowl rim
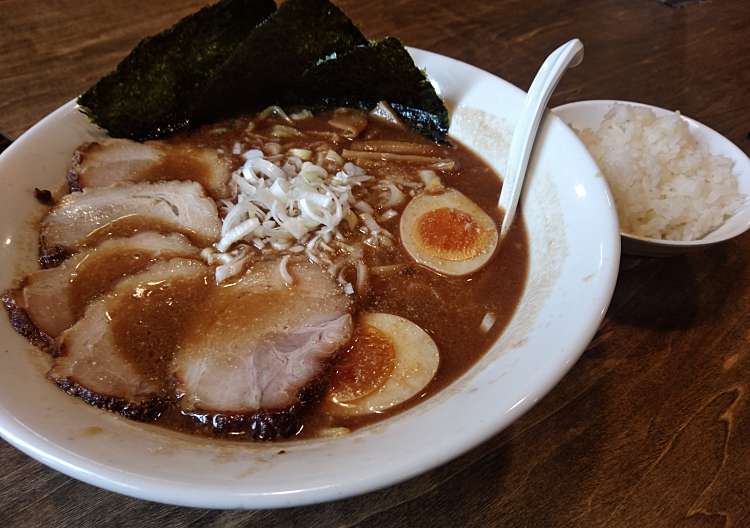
x=182 y=493
x=738 y=152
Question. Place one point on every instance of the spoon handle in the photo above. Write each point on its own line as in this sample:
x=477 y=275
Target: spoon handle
x=524 y=134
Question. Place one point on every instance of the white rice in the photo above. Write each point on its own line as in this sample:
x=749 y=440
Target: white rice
x=665 y=184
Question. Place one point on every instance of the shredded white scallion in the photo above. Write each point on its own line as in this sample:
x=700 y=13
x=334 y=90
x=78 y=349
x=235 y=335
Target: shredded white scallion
x=387 y=215
x=301 y=115
x=267 y=168
x=431 y=180
x=230 y=264
x=289 y=205
x=364 y=207
x=253 y=153
x=230 y=269
x=362 y=277
x=488 y=321
x=284 y=271
x=286 y=204
x=334 y=156
x=303 y=154
x=395 y=198
x=272 y=149
x=237 y=233
x=370 y=223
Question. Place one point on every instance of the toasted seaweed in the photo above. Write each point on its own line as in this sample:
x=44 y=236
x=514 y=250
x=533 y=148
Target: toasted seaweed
x=275 y=55
x=367 y=74
x=238 y=56
x=149 y=93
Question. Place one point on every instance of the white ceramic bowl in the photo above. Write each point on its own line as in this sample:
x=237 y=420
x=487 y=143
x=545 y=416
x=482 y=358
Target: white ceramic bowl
x=590 y=114
x=575 y=249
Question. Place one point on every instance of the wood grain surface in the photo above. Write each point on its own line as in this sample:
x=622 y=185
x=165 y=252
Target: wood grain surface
x=651 y=428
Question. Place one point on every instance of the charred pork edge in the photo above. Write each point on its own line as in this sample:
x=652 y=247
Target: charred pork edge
x=51 y=257
x=22 y=323
x=147 y=411
x=74 y=184
x=265 y=425
x=44 y=196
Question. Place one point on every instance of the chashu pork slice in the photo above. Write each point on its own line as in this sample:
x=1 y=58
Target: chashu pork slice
x=88 y=217
x=117 y=355
x=110 y=161
x=55 y=298
x=257 y=354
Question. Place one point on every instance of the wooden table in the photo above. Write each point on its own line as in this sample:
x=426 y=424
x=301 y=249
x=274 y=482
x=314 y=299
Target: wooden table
x=650 y=428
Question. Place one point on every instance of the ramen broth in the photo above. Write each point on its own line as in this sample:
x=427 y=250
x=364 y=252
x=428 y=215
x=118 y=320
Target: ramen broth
x=463 y=315
x=449 y=309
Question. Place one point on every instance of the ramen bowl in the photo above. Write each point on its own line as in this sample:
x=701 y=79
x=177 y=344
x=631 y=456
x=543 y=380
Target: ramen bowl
x=574 y=250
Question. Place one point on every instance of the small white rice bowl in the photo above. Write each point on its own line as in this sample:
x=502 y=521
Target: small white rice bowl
x=666 y=185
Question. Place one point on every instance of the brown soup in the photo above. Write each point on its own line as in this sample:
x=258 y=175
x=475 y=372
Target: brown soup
x=449 y=309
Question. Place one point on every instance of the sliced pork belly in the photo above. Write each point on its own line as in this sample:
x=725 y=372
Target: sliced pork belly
x=117 y=355
x=22 y=323
x=122 y=160
x=55 y=298
x=88 y=217
x=255 y=356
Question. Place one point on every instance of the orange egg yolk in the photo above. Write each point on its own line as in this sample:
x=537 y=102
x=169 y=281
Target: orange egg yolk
x=451 y=234
x=364 y=367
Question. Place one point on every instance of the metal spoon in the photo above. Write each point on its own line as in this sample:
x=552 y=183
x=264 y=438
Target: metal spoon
x=569 y=54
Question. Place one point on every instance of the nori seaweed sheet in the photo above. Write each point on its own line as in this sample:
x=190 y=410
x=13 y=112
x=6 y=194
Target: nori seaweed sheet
x=275 y=55
x=365 y=75
x=239 y=56
x=149 y=93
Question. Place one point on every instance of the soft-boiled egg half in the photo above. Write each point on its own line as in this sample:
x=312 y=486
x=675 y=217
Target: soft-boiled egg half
x=389 y=361
x=448 y=233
